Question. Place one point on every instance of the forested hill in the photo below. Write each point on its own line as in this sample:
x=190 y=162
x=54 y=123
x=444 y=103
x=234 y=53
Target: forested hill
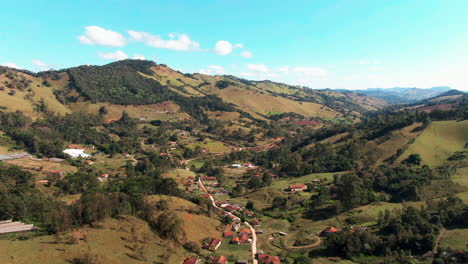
x=138 y=82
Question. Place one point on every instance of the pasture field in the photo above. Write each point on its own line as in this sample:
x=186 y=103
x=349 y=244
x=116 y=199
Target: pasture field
x=439 y=141
x=115 y=232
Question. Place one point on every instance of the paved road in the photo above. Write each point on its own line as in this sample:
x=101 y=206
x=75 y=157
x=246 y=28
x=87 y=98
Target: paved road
x=254 y=235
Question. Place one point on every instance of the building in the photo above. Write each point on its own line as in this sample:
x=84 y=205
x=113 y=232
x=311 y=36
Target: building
x=245 y=231
x=236 y=166
x=242 y=262
x=220 y=260
x=76 y=153
x=229 y=234
x=329 y=230
x=258 y=231
x=192 y=261
x=8 y=226
x=235 y=241
x=255 y=222
x=244 y=238
x=297 y=187
x=214 y=244
x=267 y=259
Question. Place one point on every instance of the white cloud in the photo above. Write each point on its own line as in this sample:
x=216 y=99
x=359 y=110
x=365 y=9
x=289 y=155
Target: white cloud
x=95 y=35
x=310 y=71
x=213 y=69
x=223 y=47
x=139 y=57
x=10 y=64
x=115 y=56
x=41 y=65
x=258 y=68
x=181 y=42
x=285 y=69
x=246 y=54
x=239 y=45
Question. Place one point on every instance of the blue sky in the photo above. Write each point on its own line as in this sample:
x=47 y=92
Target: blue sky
x=352 y=44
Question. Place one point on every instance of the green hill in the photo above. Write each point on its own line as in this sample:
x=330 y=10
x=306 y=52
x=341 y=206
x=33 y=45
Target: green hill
x=439 y=141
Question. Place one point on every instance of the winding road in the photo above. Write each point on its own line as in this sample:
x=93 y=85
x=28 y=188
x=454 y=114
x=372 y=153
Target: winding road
x=254 y=235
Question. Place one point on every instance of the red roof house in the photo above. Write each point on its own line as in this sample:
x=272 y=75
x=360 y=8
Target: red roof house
x=214 y=244
x=192 y=261
x=329 y=230
x=297 y=187
x=220 y=260
x=229 y=234
x=267 y=259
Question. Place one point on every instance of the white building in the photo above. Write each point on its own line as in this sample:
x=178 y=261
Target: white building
x=76 y=153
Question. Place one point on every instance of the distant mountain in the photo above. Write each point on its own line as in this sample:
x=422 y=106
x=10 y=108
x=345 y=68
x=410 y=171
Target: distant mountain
x=403 y=95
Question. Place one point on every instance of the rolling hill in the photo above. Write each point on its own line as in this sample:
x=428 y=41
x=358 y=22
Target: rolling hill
x=150 y=91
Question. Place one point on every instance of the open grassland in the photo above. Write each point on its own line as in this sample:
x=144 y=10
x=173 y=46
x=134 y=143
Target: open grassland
x=439 y=141
x=224 y=116
x=162 y=111
x=180 y=175
x=455 y=239
x=234 y=252
x=384 y=147
x=211 y=146
x=196 y=225
x=462 y=178
x=6 y=144
x=117 y=233
x=26 y=99
x=284 y=183
x=42 y=165
x=264 y=103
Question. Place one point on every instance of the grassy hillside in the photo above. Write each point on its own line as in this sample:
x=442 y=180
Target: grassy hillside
x=134 y=82
x=115 y=232
x=439 y=141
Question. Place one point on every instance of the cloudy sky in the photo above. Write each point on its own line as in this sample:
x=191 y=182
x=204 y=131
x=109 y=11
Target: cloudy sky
x=352 y=44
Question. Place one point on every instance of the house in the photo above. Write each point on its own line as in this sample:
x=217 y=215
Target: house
x=206 y=195
x=245 y=231
x=329 y=230
x=89 y=162
x=258 y=231
x=220 y=260
x=267 y=259
x=255 y=222
x=214 y=244
x=249 y=165
x=192 y=261
x=208 y=178
x=229 y=234
x=236 y=166
x=244 y=238
x=242 y=262
x=105 y=175
x=235 y=241
x=125 y=154
x=223 y=204
x=283 y=233
x=248 y=213
x=297 y=187
x=56 y=172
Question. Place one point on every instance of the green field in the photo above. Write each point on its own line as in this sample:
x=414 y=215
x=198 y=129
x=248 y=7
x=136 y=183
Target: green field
x=455 y=239
x=439 y=141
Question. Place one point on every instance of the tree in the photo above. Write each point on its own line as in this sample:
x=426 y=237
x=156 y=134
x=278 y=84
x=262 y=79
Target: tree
x=414 y=159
